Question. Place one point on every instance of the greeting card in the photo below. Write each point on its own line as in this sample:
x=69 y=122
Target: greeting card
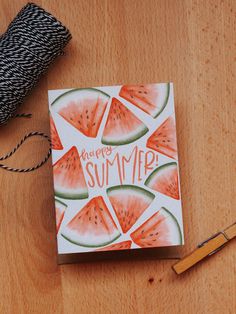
x=115 y=168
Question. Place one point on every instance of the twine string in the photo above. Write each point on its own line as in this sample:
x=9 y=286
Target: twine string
x=31 y=43
x=8 y=155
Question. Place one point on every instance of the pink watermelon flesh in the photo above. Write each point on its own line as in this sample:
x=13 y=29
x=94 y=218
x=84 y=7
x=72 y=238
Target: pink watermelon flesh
x=161 y=229
x=125 y=245
x=55 y=139
x=151 y=98
x=163 y=140
x=93 y=225
x=164 y=179
x=60 y=212
x=122 y=126
x=69 y=181
x=83 y=109
x=129 y=202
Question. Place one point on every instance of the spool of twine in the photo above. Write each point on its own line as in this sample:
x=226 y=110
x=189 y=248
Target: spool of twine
x=33 y=40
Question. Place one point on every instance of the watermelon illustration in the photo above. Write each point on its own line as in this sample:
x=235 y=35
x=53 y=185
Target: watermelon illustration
x=125 y=245
x=151 y=98
x=161 y=229
x=69 y=181
x=83 y=109
x=122 y=126
x=93 y=225
x=60 y=211
x=111 y=185
x=164 y=179
x=163 y=140
x=129 y=202
x=55 y=139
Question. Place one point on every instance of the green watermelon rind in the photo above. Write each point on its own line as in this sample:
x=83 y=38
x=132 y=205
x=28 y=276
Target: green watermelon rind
x=90 y=246
x=77 y=90
x=177 y=225
x=135 y=188
x=157 y=170
x=71 y=196
x=133 y=138
x=165 y=101
x=59 y=201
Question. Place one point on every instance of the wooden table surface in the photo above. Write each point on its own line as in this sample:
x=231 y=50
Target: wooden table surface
x=191 y=43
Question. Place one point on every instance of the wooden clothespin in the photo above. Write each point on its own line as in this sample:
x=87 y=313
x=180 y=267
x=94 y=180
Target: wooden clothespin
x=206 y=248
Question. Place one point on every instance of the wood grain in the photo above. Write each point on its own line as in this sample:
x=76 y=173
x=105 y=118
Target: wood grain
x=191 y=43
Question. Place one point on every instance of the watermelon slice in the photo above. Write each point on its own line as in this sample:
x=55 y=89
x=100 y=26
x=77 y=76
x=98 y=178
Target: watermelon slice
x=163 y=140
x=161 y=229
x=82 y=108
x=164 y=179
x=69 y=181
x=93 y=226
x=122 y=126
x=129 y=202
x=125 y=245
x=55 y=139
x=151 y=98
x=60 y=211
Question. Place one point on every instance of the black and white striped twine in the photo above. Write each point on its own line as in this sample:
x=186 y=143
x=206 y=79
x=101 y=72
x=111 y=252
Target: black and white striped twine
x=31 y=43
